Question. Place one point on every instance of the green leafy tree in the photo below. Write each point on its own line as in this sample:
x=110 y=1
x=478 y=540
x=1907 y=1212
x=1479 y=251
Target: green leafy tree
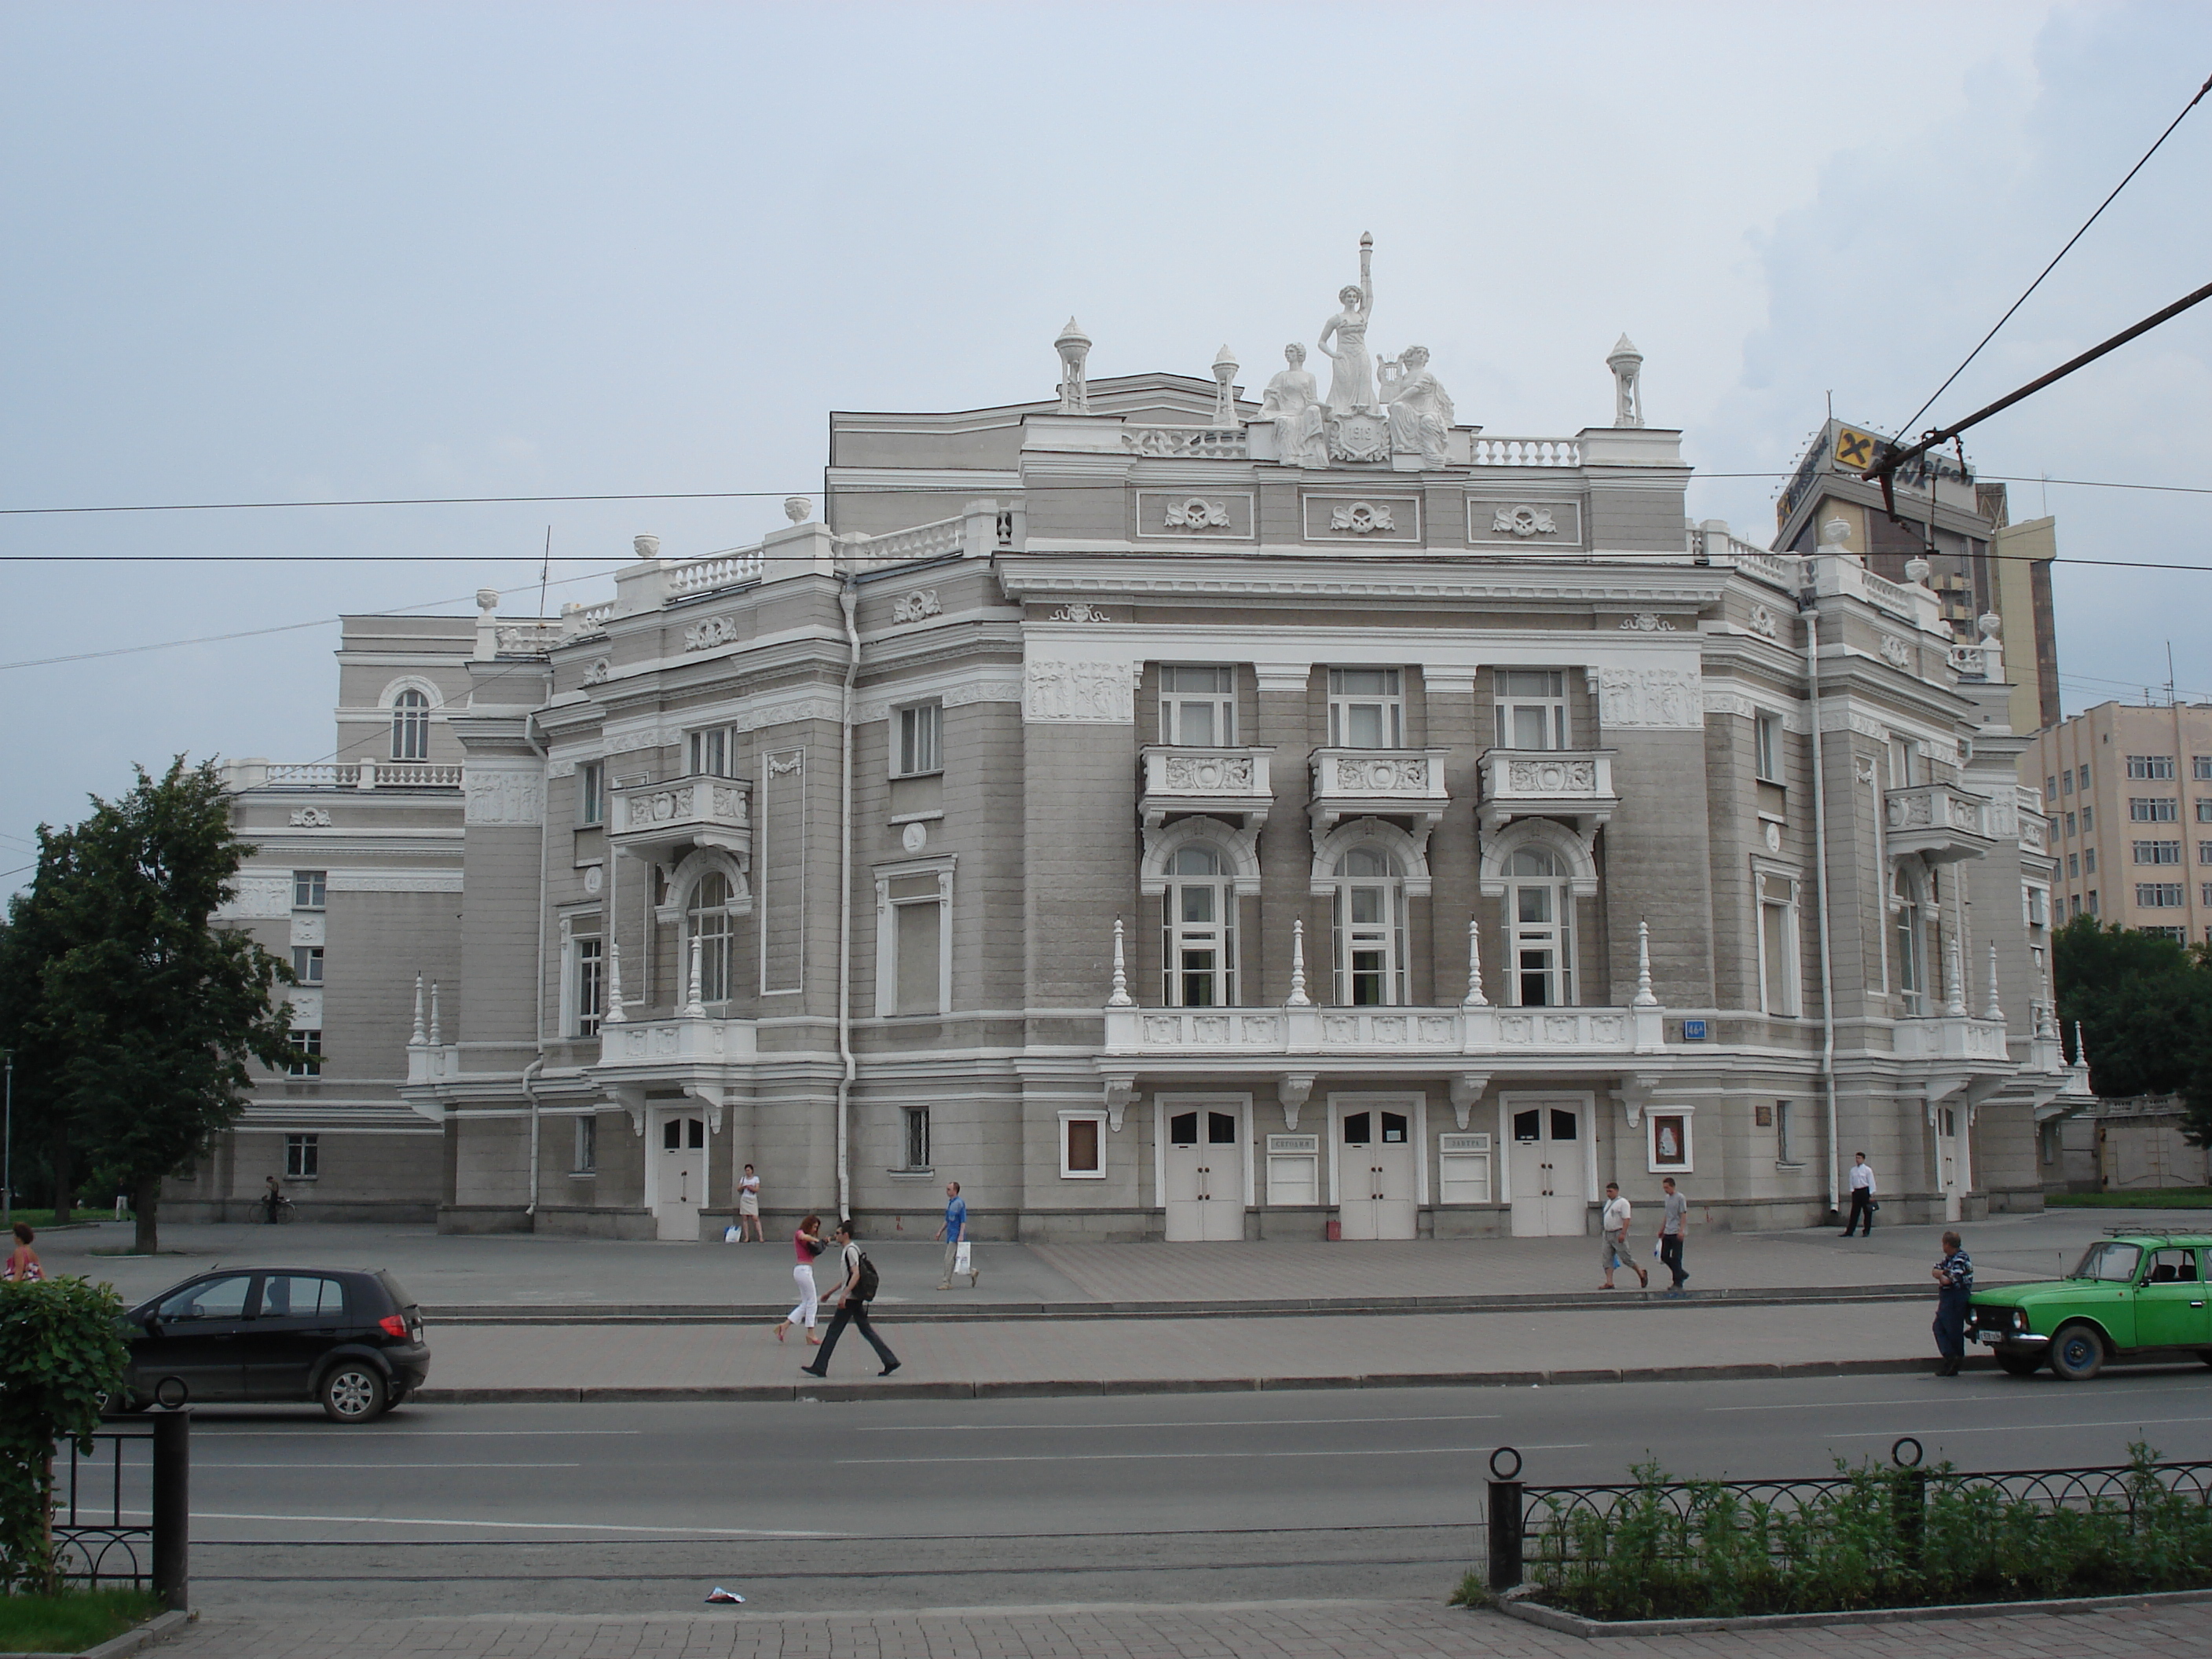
x=2144 y=1005
x=146 y=1014
x=62 y=1353
x=30 y=937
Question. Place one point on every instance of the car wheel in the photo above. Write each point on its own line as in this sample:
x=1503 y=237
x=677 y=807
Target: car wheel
x=2019 y=1365
x=2077 y=1353
x=352 y=1392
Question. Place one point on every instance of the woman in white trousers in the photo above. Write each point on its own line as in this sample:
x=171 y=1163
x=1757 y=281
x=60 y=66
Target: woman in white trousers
x=807 y=1241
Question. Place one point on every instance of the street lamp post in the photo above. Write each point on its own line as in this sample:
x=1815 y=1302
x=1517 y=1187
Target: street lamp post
x=8 y=1153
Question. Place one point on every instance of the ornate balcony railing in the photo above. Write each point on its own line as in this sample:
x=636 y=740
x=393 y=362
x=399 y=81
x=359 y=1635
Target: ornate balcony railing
x=705 y=811
x=1184 y=778
x=1218 y=443
x=715 y=570
x=1941 y=822
x=1526 y=452
x=1562 y=783
x=323 y=775
x=1951 y=1036
x=644 y=1044
x=1352 y=783
x=1179 y=1034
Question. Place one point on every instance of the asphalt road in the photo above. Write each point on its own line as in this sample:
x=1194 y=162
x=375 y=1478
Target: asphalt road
x=1168 y=1498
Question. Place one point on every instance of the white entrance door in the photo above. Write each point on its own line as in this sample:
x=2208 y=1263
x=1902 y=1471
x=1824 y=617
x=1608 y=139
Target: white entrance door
x=1550 y=1199
x=1374 y=1175
x=1205 y=1176
x=682 y=1186
x=1947 y=1161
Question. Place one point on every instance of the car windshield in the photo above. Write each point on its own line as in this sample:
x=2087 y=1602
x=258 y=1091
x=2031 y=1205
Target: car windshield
x=2109 y=1260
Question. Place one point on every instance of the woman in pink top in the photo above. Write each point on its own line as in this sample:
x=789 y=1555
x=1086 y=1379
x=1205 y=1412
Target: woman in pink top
x=807 y=1241
x=23 y=1264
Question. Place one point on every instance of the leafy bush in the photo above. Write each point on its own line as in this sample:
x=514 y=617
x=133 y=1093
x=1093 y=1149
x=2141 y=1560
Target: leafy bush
x=62 y=1353
x=1875 y=1538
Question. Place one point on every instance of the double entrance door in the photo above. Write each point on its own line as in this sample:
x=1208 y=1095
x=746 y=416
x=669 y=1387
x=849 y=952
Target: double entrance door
x=1551 y=1190
x=1204 y=1162
x=679 y=1176
x=1375 y=1190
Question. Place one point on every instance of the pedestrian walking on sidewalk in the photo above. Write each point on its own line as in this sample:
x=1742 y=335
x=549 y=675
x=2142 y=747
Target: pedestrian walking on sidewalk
x=807 y=1241
x=1862 y=1215
x=749 y=1206
x=1673 y=1226
x=1618 y=1215
x=954 y=1232
x=1954 y=1296
x=854 y=1296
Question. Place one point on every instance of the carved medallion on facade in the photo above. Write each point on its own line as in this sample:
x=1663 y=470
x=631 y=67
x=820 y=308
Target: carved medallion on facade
x=1078 y=612
x=1524 y=521
x=1513 y=1028
x=912 y=607
x=1210 y=774
x=1388 y=775
x=1762 y=622
x=706 y=635
x=1646 y=621
x=1209 y=1027
x=1263 y=1028
x=1606 y=1028
x=1389 y=1027
x=1362 y=518
x=1895 y=651
x=1338 y=1028
x=596 y=670
x=1162 y=1028
x=311 y=817
x=1196 y=513
x=1537 y=777
x=1358 y=436
x=1436 y=1028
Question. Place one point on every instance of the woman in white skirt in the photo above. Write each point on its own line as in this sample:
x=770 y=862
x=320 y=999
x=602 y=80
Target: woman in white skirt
x=807 y=1241
x=749 y=1206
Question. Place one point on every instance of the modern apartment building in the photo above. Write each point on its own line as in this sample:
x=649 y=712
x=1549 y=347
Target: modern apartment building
x=1174 y=814
x=2128 y=789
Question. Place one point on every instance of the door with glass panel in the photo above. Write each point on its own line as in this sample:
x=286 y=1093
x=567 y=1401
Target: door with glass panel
x=1375 y=1185
x=1198 y=706
x=1198 y=943
x=1550 y=1196
x=1532 y=709
x=1367 y=708
x=1539 y=915
x=1370 y=929
x=1204 y=1166
x=681 y=1187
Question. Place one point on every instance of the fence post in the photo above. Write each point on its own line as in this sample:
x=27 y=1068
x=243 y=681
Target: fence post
x=1909 y=1501
x=172 y=1508
x=1505 y=1520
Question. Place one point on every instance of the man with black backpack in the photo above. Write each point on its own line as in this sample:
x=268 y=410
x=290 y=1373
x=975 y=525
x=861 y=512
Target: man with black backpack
x=852 y=1298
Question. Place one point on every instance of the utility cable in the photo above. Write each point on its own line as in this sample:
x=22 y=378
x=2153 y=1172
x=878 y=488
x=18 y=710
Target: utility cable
x=2061 y=254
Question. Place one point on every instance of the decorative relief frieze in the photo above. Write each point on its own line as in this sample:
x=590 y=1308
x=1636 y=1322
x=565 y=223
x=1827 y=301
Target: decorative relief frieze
x=714 y=631
x=1524 y=521
x=1895 y=651
x=1196 y=513
x=1763 y=623
x=393 y=881
x=1093 y=693
x=1492 y=521
x=256 y=898
x=1653 y=699
x=915 y=607
x=1646 y=621
x=503 y=796
x=1362 y=518
x=1537 y=777
x=1391 y=775
x=1079 y=612
x=784 y=714
x=1208 y=774
x=596 y=671
x=311 y=817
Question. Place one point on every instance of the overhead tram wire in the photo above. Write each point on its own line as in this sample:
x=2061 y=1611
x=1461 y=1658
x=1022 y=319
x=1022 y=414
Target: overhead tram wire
x=2057 y=257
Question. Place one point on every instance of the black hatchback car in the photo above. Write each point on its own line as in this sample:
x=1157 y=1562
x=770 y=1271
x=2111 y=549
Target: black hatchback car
x=349 y=1339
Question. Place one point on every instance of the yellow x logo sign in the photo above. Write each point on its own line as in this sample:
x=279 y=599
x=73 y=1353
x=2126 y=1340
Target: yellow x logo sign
x=1854 y=450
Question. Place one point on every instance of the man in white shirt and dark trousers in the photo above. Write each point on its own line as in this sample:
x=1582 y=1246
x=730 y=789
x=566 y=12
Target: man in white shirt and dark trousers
x=1862 y=1216
x=1618 y=1215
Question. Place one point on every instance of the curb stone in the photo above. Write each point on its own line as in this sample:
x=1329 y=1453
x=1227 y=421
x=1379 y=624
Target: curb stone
x=1516 y=1604
x=159 y=1628
x=1047 y=1388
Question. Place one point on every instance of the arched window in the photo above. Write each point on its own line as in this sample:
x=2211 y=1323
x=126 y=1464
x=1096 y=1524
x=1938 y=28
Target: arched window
x=1913 y=916
x=1370 y=928
x=707 y=919
x=410 y=726
x=1197 y=932
x=1540 y=911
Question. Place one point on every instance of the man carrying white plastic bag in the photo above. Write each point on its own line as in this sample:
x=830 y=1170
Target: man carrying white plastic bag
x=959 y=1254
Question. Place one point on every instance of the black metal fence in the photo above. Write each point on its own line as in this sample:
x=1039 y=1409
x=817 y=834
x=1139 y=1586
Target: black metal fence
x=139 y=1466
x=1556 y=1529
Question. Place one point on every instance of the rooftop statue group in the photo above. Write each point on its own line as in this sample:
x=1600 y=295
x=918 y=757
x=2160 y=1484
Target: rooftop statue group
x=1396 y=408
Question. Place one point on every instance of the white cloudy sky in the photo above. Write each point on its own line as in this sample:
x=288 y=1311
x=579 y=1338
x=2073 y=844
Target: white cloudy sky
x=284 y=252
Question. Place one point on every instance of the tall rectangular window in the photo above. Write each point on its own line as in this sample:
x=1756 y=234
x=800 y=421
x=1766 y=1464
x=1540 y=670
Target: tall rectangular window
x=1903 y=761
x=307 y=965
x=916 y=751
x=1082 y=1146
x=586 y=1146
x=2082 y=770
x=2066 y=781
x=306 y=1056
x=2150 y=766
x=410 y=726
x=2088 y=819
x=2204 y=852
x=709 y=756
x=309 y=888
x=919 y=926
x=1783 y=1112
x=1367 y=708
x=2093 y=901
x=590 y=793
x=2073 y=864
x=2204 y=809
x=2050 y=788
x=2089 y=862
x=302 y=1157
x=1766 y=746
x=1198 y=705
x=1778 y=944
x=1532 y=709
x=589 y=992
x=2154 y=809
x=917 y=1137
x=2200 y=768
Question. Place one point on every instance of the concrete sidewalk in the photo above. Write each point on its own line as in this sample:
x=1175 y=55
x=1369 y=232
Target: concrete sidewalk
x=1320 y=1630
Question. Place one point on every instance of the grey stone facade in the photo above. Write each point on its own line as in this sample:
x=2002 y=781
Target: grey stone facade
x=1094 y=810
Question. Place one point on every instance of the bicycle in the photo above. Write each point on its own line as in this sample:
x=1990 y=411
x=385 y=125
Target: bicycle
x=274 y=1208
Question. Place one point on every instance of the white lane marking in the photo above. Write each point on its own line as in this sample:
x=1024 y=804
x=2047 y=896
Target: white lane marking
x=510 y=1525
x=1916 y=1399
x=2023 y=1428
x=1226 y=1422
x=391 y=1466
x=315 y=1433
x=1139 y=1457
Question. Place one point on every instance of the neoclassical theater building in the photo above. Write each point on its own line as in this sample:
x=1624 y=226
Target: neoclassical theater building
x=1170 y=813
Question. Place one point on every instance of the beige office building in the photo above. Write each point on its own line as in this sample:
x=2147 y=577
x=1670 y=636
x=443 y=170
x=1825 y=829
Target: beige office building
x=2128 y=789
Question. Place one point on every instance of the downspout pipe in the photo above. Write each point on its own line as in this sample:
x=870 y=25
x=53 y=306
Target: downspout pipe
x=848 y=598
x=1806 y=601
x=538 y=1065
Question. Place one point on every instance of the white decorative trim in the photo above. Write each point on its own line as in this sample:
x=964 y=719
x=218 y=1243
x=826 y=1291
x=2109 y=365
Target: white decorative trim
x=789 y=713
x=1895 y=651
x=1503 y=522
x=311 y=817
x=1411 y=853
x=1345 y=517
x=1555 y=838
x=391 y=881
x=1763 y=623
x=1241 y=846
x=507 y=792
x=683 y=881
x=1004 y=685
x=1078 y=612
x=256 y=898
x=1646 y=621
x=1650 y=699
x=385 y=698
x=597 y=672
x=711 y=633
x=1079 y=693
x=916 y=606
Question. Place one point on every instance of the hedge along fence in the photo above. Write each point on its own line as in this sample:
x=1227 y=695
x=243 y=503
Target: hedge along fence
x=1870 y=1537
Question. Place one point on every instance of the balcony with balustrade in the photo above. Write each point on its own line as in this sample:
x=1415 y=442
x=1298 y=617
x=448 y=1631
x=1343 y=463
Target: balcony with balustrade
x=280 y=777
x=1940 y=821
x=1572 y=784
x=653 y=820
x=1330 y=1036
x=1180 y=779
x=1360 y=783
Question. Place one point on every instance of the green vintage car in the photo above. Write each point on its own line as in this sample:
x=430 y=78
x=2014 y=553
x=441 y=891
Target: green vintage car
x=2135 y=1294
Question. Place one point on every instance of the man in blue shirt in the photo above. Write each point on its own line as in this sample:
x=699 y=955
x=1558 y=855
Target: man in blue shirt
x=1954 y=1297
x=953 y=1233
